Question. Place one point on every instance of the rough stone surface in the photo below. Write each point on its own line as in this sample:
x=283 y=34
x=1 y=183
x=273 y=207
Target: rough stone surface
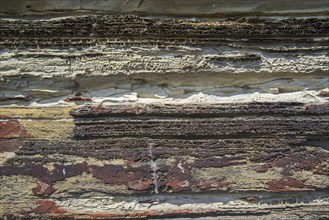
x=147 y=109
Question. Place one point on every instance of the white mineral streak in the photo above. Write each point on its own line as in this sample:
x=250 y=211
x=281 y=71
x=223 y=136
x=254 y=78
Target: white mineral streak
x=108 y=204
x=201 y=98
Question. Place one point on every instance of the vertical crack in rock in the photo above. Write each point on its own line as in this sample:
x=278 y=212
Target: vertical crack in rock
x=154 y=166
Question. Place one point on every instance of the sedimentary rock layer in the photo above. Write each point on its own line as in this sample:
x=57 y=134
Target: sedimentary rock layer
x=75 y=178
x=203 y=111
x=180 y=165
x=119 y=55
x=248 y=126
x=164 y=109
x=167 y=7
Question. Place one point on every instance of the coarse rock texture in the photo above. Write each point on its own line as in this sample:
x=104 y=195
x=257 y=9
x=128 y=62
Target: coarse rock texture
x=149 y=109
x=128 y=58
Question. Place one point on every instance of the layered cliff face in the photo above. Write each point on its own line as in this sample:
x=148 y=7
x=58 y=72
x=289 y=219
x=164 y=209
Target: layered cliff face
x=164 y=109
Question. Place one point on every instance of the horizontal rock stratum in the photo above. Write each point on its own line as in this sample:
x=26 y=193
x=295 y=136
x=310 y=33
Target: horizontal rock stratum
x=167 y=7
x=155 y=109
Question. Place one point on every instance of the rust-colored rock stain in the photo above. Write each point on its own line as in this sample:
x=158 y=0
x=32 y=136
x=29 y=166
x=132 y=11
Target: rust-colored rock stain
x=12 y=129
x=46 y=207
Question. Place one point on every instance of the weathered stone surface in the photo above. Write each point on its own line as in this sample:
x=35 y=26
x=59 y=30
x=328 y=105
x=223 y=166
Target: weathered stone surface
x=136 y=57
x=204 y=110
x=35 y=113
x=221 y=58
x=164 y=109
x=222 y=127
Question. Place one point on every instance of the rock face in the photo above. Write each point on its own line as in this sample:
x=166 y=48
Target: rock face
x=167 y=7
x=164 y=109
